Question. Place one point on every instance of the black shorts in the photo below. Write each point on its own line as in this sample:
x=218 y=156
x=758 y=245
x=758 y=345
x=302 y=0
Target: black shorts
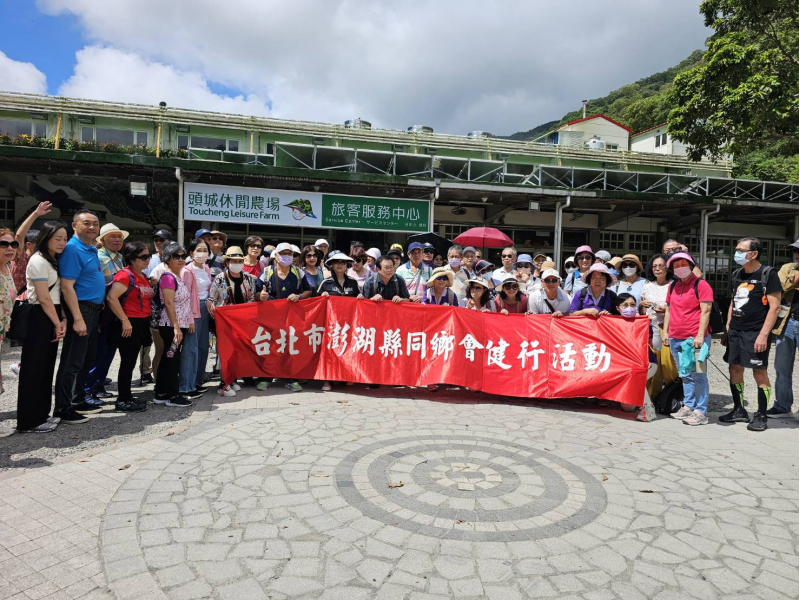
x=741 y=350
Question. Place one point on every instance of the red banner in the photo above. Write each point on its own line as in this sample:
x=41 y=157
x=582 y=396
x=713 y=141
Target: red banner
x=344 y=339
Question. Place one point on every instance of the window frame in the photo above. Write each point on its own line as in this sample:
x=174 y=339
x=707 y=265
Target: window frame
x=30 y=122
x=136 y=133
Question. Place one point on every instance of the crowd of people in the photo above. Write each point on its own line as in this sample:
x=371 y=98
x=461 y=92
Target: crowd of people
x=97 y=294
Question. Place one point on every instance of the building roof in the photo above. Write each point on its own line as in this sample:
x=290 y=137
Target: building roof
x=597 y=116
x=649 y=129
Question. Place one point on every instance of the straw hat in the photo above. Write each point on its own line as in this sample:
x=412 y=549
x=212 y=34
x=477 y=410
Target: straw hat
x=614 y=262
x=222 y=234
x=631 y=258
x=111 y=228
x=441 y=272
x=233 y=252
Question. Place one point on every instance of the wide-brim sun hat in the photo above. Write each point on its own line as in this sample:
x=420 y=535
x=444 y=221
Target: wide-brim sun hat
x=509 y=279
x=614 y=262
x=796 y=244
x=548 y=264
x=233 y=252
x=538 y=254
x=677 y=255
x=581 y=250
x=338 y=256
x=483 y=264
x=222 y=234
x=441 y=272
x=631 y=258
x=525 y=258
x=479 y=282
x=111 y=228
x=601 y=268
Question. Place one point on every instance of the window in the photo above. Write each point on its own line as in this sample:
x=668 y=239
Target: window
x=14 y=128
x=183 y=142
x=612 y=146
x=233 y=145
x=453 y=231
x=640 y=243
x=663 y=139
x=7 y=209
x=612 y=241
x=208 y=142
x=106 y=135
x=658 y=141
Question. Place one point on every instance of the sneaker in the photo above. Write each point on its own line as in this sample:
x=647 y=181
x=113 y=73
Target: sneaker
x=127 y=406
x=737 y=415
x=326 y=387
x=14 y=368
x=262 y=385
x=86 y=409
x=92 y=401
x=55 y=420
x=103 y=395
x=293 y=387
x=201 y=389
x=180 y=401
x=43 y=428
x=236 y=387
x=107 y=381
x=696 y=418
x=226 y=392
x=146 y=380
x=759 y=422
x=774 y=413
x=157 y=400
x=72 y=418
x=193 y=395
x=683 y=413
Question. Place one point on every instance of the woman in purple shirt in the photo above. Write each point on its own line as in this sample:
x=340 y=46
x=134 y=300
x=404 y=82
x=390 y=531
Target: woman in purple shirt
x=439 y=291
x=596 y=299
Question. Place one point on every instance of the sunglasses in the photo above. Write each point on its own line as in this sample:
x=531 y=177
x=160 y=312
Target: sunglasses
x=507 y=256
x=523 y=266
x=511 y=286
x=174 y=256
x=144 y=257
x=14 y=244
x=625 y=265
x=259 y=246
x=584 y=257
x=445 y=278
x=217 y=238
x=427 y=251
x=551 y=280
x=339 y=262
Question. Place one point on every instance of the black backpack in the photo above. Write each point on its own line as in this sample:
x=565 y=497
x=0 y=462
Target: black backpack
x=716 y=322
x=670 y=399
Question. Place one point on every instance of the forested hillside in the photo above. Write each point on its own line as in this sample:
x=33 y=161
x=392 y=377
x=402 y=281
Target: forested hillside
x=645 y=103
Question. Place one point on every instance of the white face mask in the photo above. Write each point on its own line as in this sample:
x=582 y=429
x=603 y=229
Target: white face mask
x=682 y=272
x=200 y=257
x=571 y=270
x=629 y=271
x=236 y=267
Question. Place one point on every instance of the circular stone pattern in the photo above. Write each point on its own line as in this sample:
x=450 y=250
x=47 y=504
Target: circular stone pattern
x=469 y=488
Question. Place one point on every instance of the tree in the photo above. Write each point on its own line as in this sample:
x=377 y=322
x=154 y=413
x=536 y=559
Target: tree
x=743 y=94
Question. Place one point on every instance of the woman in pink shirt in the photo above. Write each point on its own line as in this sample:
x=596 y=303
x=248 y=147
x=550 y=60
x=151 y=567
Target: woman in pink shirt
x=689 y=301
x=197 y=277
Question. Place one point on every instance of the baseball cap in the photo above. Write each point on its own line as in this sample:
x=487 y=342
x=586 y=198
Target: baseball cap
x=550 y=273
x=163 y=233
x=283 y=246
x=603 y=255
x=200 y=232
x=428 y=246
x=320 y=242
x=467 y=249
x=413 y=246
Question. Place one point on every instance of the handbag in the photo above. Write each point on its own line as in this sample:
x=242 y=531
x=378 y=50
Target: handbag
x=20 y=313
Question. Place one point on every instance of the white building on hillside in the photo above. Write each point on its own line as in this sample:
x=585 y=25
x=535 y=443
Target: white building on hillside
x=578 y=132
x=656 y=140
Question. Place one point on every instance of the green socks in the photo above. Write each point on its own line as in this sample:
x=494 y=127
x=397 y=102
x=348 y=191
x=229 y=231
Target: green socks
x=737 y=391
x=763 y=399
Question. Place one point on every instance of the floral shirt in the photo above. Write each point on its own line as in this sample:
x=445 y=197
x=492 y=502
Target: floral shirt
x=220 y=291
x=7 y=295
x=657 y=294
x=183 y=303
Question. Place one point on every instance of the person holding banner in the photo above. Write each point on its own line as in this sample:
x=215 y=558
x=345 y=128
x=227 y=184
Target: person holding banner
x=596 y=299
x=626 y=305
x=415 y=273
x=478 y=296
x=283 y=280
x=311 y=265
x=358 y=268
x=338 y=284
x=385 y=285
x=232 y=286
x=439 y=292
x=510 y=299
x=551 y=299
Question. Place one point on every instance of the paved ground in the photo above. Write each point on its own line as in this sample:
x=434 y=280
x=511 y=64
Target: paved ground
x=398 y=493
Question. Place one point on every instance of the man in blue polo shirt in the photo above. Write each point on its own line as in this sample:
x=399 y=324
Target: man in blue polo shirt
x=83 y=289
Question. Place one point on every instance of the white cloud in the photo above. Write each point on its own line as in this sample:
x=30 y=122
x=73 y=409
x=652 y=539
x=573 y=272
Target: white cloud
x=493 y=65
x=112 y=74
x=16 y=76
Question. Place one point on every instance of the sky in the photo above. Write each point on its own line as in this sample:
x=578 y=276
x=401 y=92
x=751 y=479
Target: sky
x=457 y=65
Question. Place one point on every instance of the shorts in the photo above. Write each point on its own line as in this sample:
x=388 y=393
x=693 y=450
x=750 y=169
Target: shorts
x=741 y=350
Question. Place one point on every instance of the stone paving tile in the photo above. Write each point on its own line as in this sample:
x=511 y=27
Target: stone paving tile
x=282 y=495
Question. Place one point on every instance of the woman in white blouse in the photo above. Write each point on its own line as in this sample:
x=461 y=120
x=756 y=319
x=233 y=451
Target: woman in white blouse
x=654 y=303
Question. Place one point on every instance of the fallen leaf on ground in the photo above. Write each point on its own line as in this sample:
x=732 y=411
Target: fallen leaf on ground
x=83 y=460
x=396 y=485
x=342 y=401
x=605 y=477
x=356 y=438
x=122 y=468
x=320 y=475
x=459 y=521
x=278 y=454
x=722 y=455
x=294 y=403
x=647 y=491
x=74 y=437
x=170 y=433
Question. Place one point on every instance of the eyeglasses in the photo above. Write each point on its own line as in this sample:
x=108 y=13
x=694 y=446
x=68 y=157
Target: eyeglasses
x=507 y=255
x=584 y=257
x=658 y=266
x=444 y=278
x=174 y=256
x=159 y=240
x=259 y=246
x=144 y=257
x=217 y=238
x=5 y=244
x=550 y=280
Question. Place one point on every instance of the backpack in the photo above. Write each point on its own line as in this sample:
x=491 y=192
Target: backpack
x=716 y=322
x=270 y=273
x=670 y=399
x=107 y=316
x=155 y=302
x=766 y=271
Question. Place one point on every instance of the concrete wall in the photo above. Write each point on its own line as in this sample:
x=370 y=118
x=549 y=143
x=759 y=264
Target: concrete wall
x=605 y=130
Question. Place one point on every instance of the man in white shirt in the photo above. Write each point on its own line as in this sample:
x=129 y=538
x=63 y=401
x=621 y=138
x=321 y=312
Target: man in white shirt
x=455 y=255
x=160 y=237
x=508 y=258
x=551 y=299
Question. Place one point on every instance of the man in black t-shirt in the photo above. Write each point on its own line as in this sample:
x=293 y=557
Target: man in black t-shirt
x=755 y=292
